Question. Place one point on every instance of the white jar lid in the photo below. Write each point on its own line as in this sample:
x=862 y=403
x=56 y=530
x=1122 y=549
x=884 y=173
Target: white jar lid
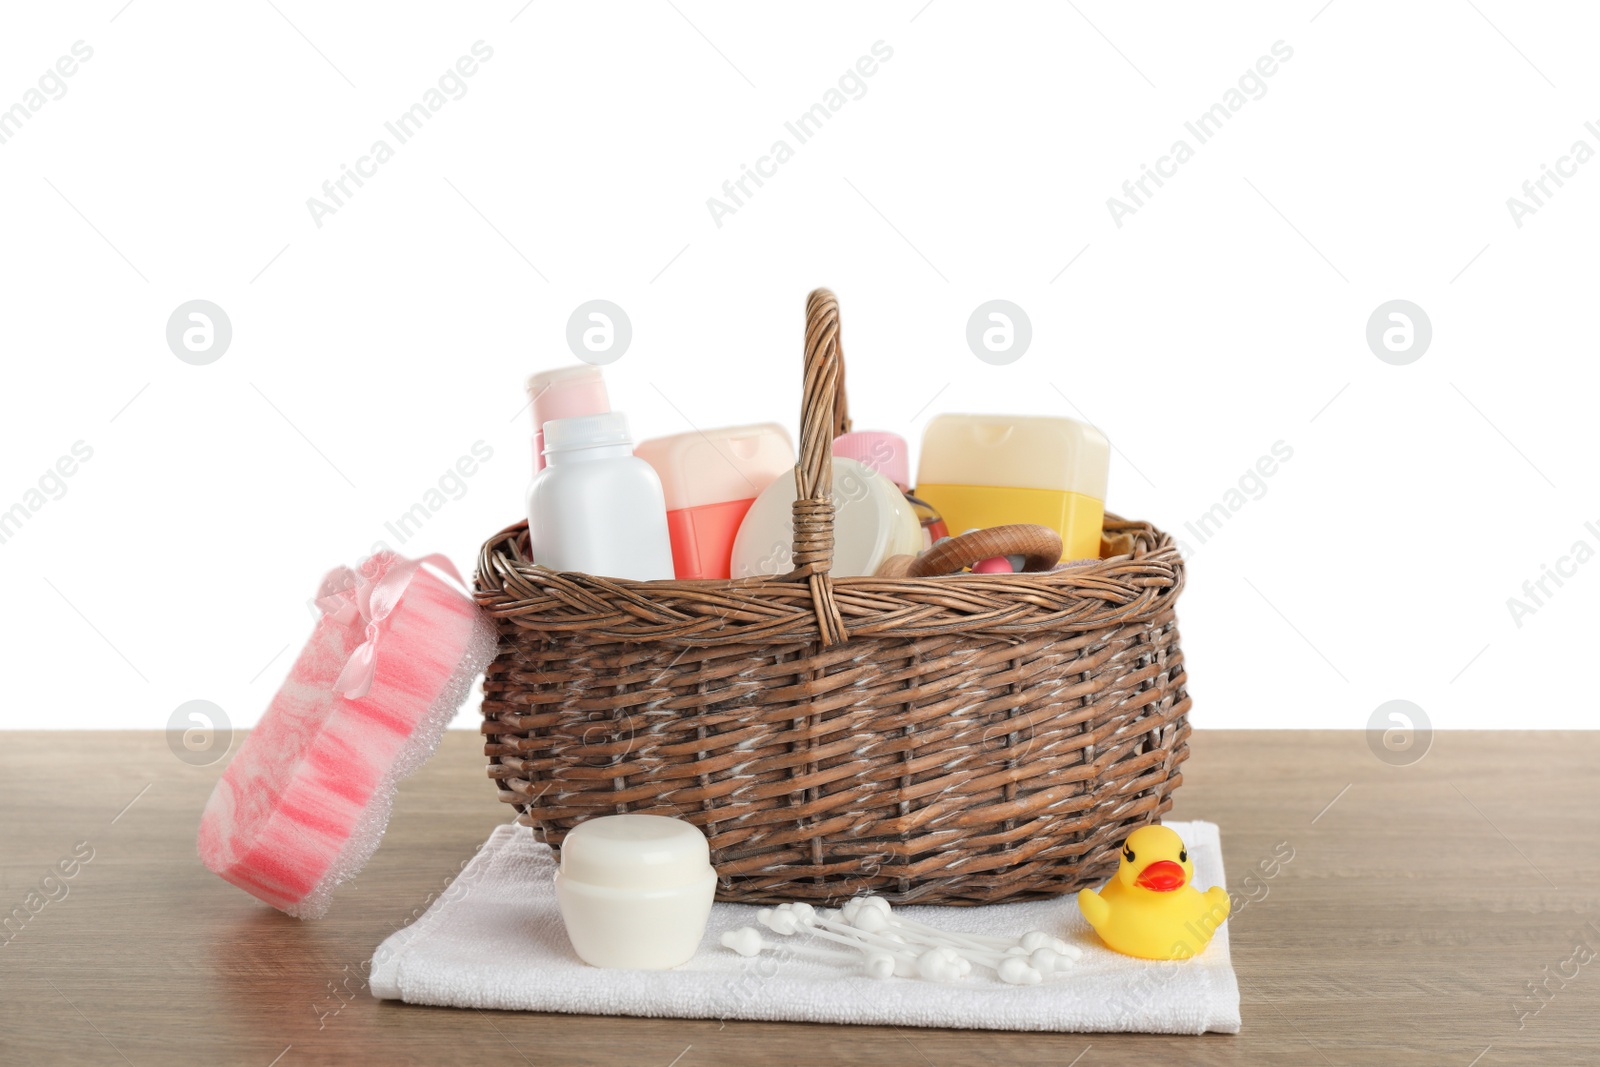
x=635 y=852
x=871 y=522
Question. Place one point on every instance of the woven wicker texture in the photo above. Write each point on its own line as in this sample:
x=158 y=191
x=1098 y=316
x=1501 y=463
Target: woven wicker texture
x=962 y=739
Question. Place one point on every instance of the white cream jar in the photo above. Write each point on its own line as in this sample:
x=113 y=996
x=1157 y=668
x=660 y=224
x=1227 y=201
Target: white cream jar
x=635 y=891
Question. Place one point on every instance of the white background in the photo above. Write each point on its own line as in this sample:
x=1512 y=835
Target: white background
x=1227 y=314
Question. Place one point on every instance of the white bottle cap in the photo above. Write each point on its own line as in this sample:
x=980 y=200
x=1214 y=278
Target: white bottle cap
x=586 y=431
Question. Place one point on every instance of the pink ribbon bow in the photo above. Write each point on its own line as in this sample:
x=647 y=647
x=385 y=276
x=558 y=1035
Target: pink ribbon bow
x=347 y=595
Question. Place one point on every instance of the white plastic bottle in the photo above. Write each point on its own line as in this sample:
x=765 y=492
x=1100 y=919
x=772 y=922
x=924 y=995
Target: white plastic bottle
x=596 y=507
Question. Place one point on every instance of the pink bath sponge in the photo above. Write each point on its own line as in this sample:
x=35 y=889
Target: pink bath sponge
x=304 y=802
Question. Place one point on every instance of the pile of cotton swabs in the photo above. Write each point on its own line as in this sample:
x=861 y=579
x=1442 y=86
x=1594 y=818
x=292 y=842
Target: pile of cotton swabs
x=895 y=946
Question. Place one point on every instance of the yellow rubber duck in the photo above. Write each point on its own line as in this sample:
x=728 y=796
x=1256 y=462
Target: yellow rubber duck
x=1149 y=908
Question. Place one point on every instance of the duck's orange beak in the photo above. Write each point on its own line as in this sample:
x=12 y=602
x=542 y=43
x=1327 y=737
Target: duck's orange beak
x=1162 y=876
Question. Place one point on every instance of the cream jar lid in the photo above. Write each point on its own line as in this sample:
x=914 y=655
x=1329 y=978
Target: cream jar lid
x=871 y=522
x=635 y=852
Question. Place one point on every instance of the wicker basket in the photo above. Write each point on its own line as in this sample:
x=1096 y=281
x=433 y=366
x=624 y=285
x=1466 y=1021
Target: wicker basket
x=956 y=740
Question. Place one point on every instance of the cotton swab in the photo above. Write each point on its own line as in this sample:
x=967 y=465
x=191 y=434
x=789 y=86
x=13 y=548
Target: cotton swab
x=893 y=945
x=874 y=913
x=747 y=941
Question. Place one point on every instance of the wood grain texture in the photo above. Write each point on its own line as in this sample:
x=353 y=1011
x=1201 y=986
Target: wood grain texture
x=1418 y=904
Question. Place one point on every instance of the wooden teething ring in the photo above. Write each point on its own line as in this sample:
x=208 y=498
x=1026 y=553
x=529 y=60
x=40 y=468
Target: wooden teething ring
x=1039 y=546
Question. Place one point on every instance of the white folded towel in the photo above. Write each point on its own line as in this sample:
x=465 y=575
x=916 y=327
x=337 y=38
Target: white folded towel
x=495 y=939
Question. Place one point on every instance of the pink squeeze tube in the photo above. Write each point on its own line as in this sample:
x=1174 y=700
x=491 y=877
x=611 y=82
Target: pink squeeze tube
x=710 y=480
x=564 y=394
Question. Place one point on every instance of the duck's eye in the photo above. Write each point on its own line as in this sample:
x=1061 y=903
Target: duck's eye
x=1127 y=853
x=1183 y=855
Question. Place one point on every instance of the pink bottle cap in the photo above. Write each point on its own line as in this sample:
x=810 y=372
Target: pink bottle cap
x=716 y=466
x=567 y=393
x=880 y=451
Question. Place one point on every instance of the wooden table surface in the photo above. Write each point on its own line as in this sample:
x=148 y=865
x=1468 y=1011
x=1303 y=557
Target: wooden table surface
x=1421 y=906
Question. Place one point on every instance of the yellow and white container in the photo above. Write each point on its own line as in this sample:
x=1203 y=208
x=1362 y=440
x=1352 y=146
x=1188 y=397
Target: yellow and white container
x=993 y=470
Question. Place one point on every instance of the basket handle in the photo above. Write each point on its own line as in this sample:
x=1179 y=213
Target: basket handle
x=824 y=414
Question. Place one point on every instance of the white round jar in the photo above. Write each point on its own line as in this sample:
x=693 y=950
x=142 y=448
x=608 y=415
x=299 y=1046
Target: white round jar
x=635 y=891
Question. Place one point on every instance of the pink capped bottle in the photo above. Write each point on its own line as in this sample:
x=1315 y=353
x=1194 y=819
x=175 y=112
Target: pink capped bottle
x=565 y=393
x=888 y=454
